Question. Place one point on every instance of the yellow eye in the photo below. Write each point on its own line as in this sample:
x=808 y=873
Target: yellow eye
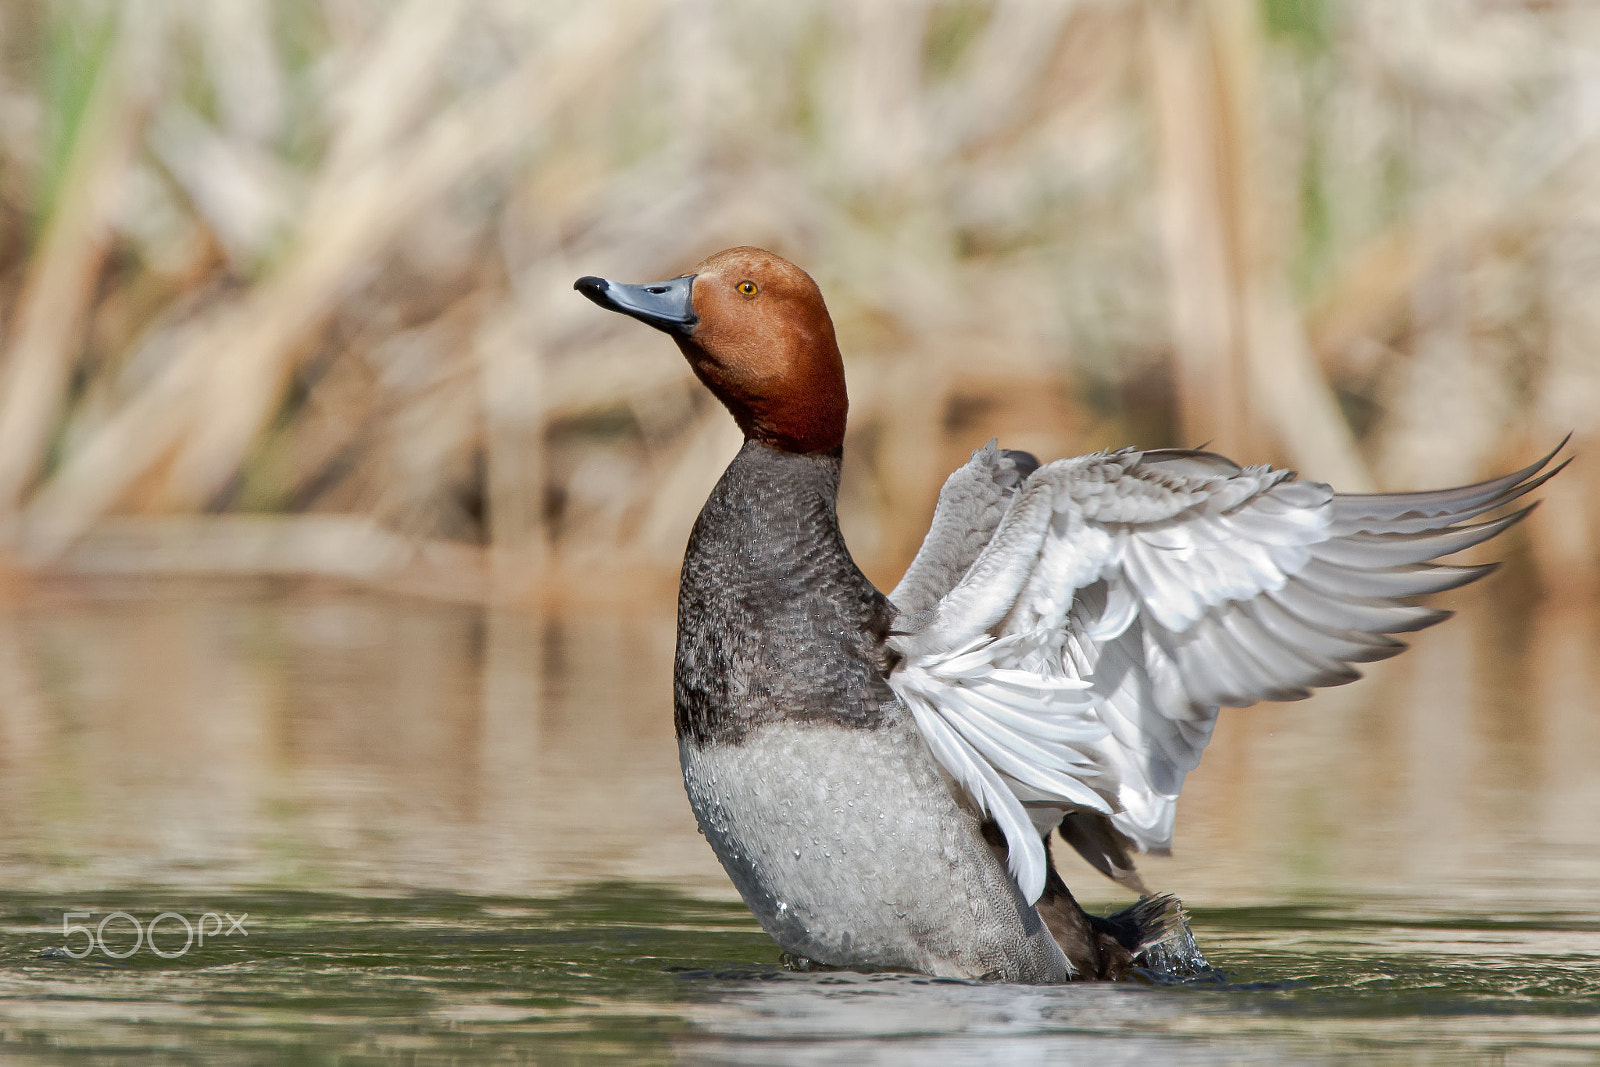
x=748 y=288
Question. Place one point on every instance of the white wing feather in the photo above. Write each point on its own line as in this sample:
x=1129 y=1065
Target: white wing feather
x=1075 y=662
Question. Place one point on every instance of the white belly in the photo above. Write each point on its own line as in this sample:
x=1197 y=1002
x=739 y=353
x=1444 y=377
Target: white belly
x=850 y=849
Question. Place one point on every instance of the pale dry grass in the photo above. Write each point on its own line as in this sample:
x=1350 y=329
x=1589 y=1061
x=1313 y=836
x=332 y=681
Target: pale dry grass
x=306 y=267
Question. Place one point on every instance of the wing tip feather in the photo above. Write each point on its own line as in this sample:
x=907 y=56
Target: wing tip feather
x=1450 y=505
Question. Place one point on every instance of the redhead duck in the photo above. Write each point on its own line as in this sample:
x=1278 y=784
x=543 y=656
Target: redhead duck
x=881 y=775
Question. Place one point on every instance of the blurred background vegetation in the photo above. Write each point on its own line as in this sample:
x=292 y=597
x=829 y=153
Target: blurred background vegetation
x=285 y=285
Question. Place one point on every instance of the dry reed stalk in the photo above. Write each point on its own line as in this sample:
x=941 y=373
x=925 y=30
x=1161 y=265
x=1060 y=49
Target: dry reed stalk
x=139 y=435
x=1287 y=392
x=220 y=388
x=1568 y=401
x=1005 y=70
x=1245 y=368
x=62 y=271
x=1374 y=290
x=682 y=484
x=512 y=399
x=971 y=183
x=1367 y=298
x=573 y=388
x=1195 y=232
x=910 y=435
x=389 y=88
x=353 y=218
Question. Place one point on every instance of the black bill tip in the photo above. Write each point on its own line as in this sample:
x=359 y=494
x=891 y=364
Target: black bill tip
x=667 y=305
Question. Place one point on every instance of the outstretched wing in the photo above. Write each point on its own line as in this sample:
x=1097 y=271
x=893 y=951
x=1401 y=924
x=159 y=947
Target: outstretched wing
x=1076 y=666
x=971 y=504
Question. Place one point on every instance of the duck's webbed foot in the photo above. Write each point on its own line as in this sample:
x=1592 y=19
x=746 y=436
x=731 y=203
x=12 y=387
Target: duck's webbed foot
x=1092 y=945
x=1152 y=935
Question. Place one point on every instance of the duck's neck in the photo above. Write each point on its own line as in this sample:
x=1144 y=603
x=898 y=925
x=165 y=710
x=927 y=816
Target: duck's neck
x=775 y=621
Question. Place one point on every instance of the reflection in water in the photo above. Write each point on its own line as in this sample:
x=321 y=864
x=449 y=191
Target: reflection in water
x=895 y=1019
x=220 y=739
x=1420 y=846
x=342 y=740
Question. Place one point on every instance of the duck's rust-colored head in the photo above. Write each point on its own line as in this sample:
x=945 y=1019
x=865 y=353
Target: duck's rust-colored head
x=754 y=328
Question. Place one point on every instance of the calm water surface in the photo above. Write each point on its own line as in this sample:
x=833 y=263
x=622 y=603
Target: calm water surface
x=430 y=832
